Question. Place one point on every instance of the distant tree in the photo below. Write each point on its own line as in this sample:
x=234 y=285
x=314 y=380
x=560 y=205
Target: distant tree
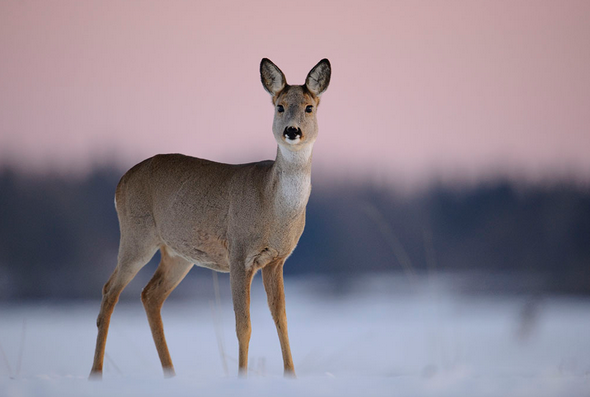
x=59 y=236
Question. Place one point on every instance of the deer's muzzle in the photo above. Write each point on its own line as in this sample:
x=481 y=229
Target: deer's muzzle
x=292 y=133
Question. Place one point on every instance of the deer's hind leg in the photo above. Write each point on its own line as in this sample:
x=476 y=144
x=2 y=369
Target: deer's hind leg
x=134 y=253
x=168 y=275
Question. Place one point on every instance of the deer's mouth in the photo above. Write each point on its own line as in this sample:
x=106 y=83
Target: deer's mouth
x=292 y=135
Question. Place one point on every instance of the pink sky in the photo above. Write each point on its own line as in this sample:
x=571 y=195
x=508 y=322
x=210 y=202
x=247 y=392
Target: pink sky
x=456 y=90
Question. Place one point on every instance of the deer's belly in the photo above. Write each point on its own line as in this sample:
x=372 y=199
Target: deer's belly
x=203 y=251
x=218 y=267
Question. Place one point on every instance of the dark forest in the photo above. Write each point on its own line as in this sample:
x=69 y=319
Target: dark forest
x=59 y=236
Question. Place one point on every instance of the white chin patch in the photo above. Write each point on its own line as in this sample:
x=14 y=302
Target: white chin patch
x=293 y=141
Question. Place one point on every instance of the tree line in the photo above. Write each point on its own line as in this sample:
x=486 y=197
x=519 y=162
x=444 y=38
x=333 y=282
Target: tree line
x=59 y=236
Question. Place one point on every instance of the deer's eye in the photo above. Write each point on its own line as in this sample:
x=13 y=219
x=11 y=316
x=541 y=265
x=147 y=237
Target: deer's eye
x=280 y=109
x=308 y=109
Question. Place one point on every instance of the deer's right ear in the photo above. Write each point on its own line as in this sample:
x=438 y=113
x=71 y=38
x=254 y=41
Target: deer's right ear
x=272 y=78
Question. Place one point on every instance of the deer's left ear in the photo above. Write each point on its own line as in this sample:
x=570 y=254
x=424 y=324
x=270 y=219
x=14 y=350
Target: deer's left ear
x=318 y=79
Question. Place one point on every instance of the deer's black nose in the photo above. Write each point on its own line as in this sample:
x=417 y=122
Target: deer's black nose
x=292 y=133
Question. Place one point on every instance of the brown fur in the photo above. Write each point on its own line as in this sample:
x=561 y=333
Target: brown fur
x=229 y=218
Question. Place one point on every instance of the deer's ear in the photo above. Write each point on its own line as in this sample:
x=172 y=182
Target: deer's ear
x=272 y=78
x=318 y=79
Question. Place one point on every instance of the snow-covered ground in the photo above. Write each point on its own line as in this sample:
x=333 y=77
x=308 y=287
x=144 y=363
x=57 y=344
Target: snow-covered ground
x=373 y=341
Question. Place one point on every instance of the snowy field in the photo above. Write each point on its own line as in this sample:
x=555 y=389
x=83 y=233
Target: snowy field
x=382 y=338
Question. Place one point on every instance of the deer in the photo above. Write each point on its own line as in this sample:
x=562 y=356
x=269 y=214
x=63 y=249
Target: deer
x=236 y=218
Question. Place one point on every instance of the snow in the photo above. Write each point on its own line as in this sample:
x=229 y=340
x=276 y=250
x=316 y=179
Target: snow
x=382 y=338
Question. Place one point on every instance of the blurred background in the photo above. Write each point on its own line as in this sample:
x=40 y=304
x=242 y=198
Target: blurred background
x=454 y=138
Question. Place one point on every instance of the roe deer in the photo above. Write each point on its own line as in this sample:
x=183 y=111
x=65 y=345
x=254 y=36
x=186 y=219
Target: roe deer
x=229 y=218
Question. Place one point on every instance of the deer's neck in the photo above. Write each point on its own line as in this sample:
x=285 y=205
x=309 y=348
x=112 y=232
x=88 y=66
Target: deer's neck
x=293 y=179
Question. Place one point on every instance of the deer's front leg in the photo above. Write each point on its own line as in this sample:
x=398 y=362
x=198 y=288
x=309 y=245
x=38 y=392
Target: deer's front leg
x=272 y=277
x=241 y=280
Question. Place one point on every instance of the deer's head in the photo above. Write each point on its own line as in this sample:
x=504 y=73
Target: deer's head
x=295 y=124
